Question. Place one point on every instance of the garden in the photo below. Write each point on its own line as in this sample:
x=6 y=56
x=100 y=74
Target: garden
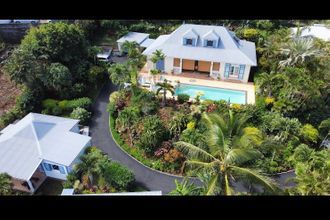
x=222 y=143
x=96 y=173
x=56 y=69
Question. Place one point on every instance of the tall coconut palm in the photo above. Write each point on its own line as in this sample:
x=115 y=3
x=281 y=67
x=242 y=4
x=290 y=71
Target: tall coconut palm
x=164 y=86
x=298 y=50
x=230 y=148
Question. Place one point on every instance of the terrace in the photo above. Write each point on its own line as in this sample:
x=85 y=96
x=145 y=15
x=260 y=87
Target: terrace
x=201 y=80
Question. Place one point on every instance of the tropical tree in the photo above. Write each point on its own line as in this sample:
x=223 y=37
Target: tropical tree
x=157 y=55
x=164 y=86
x=298 y=50
x=89 y=165
x=58 y=77
x=119 y=74
x=230 y=148
x=185 y=188
x=312 y=171
x=178 y=123
x=5 y=185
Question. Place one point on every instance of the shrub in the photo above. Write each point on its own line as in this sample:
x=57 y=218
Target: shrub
x=63 y=104
x=81 y=114
x=182 y=98
x=80 y=103
x=114 y=97
x=154 y=132
x=309 y=133
x=9 y=117
x=191 y=125
x=29 y=101
x=78 y=90
x=49 y=103
x=178 y=123
x=118 y=176
x=56 y=111
x=173 y=156
x=96 y=74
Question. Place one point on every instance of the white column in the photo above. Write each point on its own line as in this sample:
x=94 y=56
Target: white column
x=30 y=185
x=211 y=69
x=180 y=65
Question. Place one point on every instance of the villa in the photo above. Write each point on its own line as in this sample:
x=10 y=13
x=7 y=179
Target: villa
x=40 y=146
x=320 y=31
x=205 y=55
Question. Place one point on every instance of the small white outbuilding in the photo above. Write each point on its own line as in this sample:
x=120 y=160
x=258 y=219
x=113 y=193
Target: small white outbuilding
x=40 y=146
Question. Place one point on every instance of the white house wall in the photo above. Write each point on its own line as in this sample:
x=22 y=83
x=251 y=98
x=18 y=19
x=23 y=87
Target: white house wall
x=169 y=64
x=55 y=173
x=246 y=73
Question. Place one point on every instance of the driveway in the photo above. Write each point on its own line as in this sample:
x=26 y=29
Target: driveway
x=101 y=137
x=149 y=178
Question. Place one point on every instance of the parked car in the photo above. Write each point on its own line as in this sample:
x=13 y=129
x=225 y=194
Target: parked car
x=105 y=54
x=26 y=21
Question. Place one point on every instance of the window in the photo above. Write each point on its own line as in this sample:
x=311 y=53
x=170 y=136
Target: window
x=176 y=62
x=189 y=41
x=55 y=167
x=209 y=43
x=234 y=69
x=216 y=66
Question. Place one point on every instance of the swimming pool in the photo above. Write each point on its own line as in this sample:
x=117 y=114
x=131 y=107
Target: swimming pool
x=235 y=96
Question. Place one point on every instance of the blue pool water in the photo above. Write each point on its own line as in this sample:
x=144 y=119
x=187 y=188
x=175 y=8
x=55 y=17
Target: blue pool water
x=235 y=96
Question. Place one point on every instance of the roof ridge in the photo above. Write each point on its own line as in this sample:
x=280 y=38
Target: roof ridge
x=36 y=138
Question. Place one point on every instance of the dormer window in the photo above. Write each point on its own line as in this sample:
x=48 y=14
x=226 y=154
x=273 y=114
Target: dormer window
x=190 y=38
x=209 y=43
x=211 y=39
x=189 y=41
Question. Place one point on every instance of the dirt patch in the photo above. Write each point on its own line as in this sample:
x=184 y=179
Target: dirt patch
x=8 y=93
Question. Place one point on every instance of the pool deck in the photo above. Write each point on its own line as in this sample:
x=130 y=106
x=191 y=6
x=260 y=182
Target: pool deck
x=207 y=81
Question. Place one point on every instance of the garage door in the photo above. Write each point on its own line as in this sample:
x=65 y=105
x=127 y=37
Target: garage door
x=188 y=64
x=204 y=66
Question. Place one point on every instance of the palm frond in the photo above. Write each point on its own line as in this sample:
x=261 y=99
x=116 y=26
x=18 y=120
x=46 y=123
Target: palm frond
x=227 y=186
x=240 y=156
x=198 y=167
x=215 y=140
x=255 y=176
x=213 y=186
x=193 y=152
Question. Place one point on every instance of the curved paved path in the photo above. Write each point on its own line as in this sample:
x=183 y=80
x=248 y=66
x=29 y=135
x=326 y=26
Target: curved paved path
x=101 y=137
x=151 y=179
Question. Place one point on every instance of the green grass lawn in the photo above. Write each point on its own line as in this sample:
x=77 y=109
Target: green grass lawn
x=50 y=187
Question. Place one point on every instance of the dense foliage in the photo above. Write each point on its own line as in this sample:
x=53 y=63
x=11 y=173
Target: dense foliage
x=96 y=173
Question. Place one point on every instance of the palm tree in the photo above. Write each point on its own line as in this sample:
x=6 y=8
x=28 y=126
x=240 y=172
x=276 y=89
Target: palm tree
x=157 y=55
x=88 y=166
x=164 y=86
x=230 y=149
x=130 y=47
x=185 y=188
x=5 y=184
x=264 y=82
x=298 y=50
